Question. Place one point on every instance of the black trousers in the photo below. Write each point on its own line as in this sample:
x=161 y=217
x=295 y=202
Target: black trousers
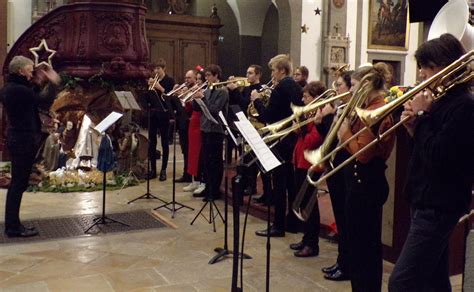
x=283 y=182
x=161 y=122
x=313 y=225
x=337 y=190
x=213 y=163
x=22 y=148
x=184 y=143
x=251 y=177
x=423 y=262
x=367 y=192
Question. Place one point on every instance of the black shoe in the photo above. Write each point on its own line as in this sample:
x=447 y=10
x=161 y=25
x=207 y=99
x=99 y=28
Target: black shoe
x=151 y=175
x=31 y=228
x=338 y=275
x=306 y=252
x=297 y=246
x=21 y=232
x=331 y=269
x=273 y=232
x=186 y=178
x=261 y=199
x=163 y=175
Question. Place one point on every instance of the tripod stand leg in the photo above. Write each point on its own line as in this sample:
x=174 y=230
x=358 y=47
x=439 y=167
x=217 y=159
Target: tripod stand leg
x=200 y=213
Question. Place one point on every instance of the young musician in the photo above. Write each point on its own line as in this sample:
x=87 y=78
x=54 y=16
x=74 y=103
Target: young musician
x=216 y=100
x=308 y=139
x=301 y=76
x=337 y=188
x=286 y=92
x=160 y=116
x=242 y=98
x=21 y=98
x=367 y=187
x=441 y=172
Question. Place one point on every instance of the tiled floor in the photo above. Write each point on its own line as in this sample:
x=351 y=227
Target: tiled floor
x=154 y=260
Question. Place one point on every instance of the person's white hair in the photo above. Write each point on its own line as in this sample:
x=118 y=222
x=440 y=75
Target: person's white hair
x=17 y=63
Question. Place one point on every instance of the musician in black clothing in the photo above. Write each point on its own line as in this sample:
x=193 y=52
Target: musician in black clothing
x=160 y=116
x=242 y=99
x=440 y=175
x=22 y=101
x=286 y=92
x=337 y=188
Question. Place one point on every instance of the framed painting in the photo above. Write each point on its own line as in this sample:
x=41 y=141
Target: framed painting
x=388 y=25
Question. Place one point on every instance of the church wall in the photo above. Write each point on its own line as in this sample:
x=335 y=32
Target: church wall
x=3 y=33
x=19 y=19
x=269 y=41
x=229 y=43
x=311 y=41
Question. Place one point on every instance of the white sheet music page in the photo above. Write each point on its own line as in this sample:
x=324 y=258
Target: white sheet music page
x=224 y=121
x=108 y=121
x=131 y=100
x=261 y=150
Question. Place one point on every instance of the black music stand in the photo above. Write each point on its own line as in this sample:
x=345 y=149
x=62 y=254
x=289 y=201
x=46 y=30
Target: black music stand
x=105 y=165
x=147 y=195
x=222 y=252
x=173 y=203
x=267 y=161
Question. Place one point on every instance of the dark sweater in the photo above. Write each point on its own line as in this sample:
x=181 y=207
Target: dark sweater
x=153 y=98
x=285 y=93
x=216 y=100
x=22 y=102
x=441 y=169
x=242 y=98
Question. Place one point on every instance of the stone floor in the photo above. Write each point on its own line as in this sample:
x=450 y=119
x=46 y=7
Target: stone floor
x=164 y=259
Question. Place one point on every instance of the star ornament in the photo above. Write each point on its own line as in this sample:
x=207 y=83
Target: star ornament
x=317 y=11
x=40 y=52
x=304 y=28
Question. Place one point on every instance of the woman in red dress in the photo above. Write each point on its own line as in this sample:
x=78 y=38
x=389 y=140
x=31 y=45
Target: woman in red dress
x=194 y=148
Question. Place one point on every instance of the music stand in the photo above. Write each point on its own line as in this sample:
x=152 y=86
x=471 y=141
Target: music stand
x=267 y=162
x=173 y=203
x=147 y=195
x=101 y=128
x=224 y=251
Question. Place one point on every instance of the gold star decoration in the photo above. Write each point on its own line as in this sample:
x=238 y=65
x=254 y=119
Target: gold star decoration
x=39 y=50
x=304 y=28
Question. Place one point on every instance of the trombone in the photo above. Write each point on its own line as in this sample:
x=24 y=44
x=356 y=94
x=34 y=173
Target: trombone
x=326 y=97
x=458 y=72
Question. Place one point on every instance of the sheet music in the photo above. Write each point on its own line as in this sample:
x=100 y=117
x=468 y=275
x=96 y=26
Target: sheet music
x=205 y=110
x=131 y=100
x=108 y=121
x=224 y=121
x=261 y=150
x=127 y=100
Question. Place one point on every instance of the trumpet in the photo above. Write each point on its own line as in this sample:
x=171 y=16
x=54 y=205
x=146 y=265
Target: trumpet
x=188 y=95
x=172 y=92
x=240 y=81
x=156 y=79
x=458 y=72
